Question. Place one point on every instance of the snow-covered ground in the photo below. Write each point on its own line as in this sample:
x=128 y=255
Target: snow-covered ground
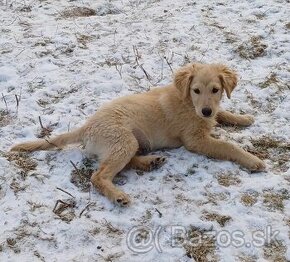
x=61 y=64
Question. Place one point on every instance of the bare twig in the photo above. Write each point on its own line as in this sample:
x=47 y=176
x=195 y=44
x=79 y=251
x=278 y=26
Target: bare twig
x=119 y=70
x=40 y=122
x=65 y=192
x=85 y=208
x=138 y=64
x=56 y=204
x=17 y=102
x=159 y=213
x=168 y=63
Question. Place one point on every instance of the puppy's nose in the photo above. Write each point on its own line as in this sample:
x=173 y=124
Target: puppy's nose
x=206 y=111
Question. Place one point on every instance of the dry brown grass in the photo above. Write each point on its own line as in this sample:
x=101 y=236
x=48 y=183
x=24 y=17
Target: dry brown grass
x=267 y=142
x=275 y=251
x=22 y=161
x=214 y=198
x=113 y=230
x=252 y=49
x=247 y=258
x=5 y=118
x=249 y=199
x=277 y=151
x=83 y=40
x=222 y=220
x=45 y=131
x=275 y=200
x=270 y=80
x=201 y=246
x=34 y=205
x=228 y=179
x=78 y=11
x=17 y=186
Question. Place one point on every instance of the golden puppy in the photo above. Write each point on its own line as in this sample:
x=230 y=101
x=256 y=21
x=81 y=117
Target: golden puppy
x=180 y=114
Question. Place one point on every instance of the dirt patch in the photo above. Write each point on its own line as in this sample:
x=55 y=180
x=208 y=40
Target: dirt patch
x=252 y=49
x=81 y=176
x=201 y=245
x=275 y=200
x=222 y=220
x=78 y=11
x=275 y=251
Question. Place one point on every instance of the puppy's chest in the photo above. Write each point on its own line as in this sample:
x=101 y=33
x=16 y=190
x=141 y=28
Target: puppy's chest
x=164 y=140
x=153 y=140
x=164 y=135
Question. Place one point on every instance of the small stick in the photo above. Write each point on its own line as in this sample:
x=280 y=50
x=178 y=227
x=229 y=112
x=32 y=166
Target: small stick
x=159 y=213
x=40 y=122
x=119 y=70
x=65 y=192
x=57 y=202
x=85 y=208
x=138 y=64
x=17 y=102
x=168 y=63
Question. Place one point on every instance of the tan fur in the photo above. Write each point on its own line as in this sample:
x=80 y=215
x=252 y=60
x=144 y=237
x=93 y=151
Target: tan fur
x=166 y=117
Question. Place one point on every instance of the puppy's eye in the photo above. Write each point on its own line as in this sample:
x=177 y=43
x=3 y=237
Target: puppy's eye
x=215 y=90
x=197 y=91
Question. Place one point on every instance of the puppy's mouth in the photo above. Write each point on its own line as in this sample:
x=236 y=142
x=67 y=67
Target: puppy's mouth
x=208 y=117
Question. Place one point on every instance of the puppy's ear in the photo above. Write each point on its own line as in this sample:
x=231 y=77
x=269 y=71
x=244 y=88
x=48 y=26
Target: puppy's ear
x=183 y=79
x=228 y=79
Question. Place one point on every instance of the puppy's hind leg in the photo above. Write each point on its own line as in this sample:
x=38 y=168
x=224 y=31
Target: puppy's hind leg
x=121 y=150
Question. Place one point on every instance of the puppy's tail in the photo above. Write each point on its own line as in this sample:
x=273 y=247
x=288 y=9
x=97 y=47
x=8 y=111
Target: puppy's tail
x=57 y=142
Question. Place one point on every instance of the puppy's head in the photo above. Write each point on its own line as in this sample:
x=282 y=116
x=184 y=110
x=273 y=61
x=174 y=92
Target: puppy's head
x=204 y=84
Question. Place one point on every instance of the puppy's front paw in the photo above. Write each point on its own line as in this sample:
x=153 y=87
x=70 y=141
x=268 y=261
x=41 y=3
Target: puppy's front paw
x=255 y=164
x=246 y=120
x=122 y=199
